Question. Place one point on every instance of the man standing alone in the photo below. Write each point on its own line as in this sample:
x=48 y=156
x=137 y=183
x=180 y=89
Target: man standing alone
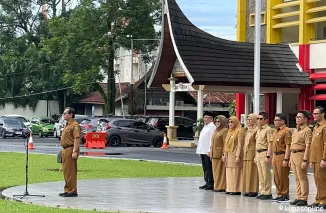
x=203 y=146
x=70 y=141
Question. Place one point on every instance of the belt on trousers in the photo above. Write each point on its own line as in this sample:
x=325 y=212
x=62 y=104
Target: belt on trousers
x=261 y=150
x=297 y=150
x=279 y=153
x=68 y=146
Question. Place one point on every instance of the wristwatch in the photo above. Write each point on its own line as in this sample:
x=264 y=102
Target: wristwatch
x=285 y=159
x=303 y=160
x=268 y=156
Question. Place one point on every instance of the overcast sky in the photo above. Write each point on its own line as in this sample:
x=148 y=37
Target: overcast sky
x=217 y=17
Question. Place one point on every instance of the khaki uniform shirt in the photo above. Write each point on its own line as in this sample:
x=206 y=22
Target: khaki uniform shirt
x=301 y=136
x=263 y=137
x=249 y=148
x=218 y=140
x=318 y=143
x=281 y=137
x=70 y=133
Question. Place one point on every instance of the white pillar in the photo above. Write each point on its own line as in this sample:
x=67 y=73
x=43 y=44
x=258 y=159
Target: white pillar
x=200 y=103
x=172 y=102
x=279 y=102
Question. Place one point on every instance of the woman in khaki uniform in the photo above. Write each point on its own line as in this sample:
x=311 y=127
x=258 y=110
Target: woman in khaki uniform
x=233 y=153
x=216 y=150
x=250 y=172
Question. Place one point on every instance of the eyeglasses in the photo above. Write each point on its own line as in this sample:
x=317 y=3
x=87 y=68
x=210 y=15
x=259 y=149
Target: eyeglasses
x=66 y=113
x=277 y=120
x=299 y=117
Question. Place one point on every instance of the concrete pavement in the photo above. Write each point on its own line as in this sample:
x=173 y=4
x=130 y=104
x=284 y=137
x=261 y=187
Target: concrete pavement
x=170 y=195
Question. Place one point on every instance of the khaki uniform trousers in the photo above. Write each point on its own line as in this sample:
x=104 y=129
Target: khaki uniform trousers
x=250 y=177
x=301 y=177
x=69 y=168
x=281 y=175
x=320 y=181
x=264 y=174
x=219 y=174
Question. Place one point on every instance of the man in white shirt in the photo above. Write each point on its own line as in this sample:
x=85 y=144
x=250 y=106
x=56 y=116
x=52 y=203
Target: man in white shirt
x=203 y=149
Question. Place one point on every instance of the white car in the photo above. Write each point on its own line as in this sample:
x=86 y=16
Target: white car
x=22 y=119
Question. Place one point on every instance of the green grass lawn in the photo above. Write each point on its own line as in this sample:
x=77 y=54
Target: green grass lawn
x=44 y=168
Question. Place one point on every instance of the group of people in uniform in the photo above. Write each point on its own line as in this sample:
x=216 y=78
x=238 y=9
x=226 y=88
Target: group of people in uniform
x=239 y=160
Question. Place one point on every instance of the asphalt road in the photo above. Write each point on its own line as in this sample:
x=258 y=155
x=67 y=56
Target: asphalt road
x=51 y=146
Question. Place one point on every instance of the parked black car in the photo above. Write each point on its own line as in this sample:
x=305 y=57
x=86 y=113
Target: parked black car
x=185 y=125
x=13 y=127
x=128 y=131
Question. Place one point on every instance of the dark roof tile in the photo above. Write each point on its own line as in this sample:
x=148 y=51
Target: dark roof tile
x=214 y=60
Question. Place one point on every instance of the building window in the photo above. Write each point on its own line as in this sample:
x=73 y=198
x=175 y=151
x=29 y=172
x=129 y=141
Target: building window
x=252 y=19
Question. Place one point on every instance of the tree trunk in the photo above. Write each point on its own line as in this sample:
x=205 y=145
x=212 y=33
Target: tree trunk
x=111 y=81
x=104 y=96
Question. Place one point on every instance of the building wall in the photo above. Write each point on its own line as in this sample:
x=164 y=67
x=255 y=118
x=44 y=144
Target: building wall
x=250 y=31
x=290 y=103
x=40 y=109
x=123 y=67
x=98 y=110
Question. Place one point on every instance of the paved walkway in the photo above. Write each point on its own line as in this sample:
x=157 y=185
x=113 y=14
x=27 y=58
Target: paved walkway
x=173 y=195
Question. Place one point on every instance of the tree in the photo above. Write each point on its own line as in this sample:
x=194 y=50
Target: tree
x=83 y=37
x=134 y=18
x=42 y=52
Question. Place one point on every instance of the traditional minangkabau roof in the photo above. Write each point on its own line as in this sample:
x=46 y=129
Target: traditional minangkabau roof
x=209 y=60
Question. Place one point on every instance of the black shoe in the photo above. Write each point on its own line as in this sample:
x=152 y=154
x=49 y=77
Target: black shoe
x=219 y=190
x=302 y=203
x=209 y=187
x=246 y=194
x=259 y=196
x=314 y=205
x=253 y=194
x=203 y=186
x=276 y=199
x=70 y=195
x=227 y=193
x=283 y=199
x=266 y=197
x=294 y=202
x=235 y=193
x=62 y=194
